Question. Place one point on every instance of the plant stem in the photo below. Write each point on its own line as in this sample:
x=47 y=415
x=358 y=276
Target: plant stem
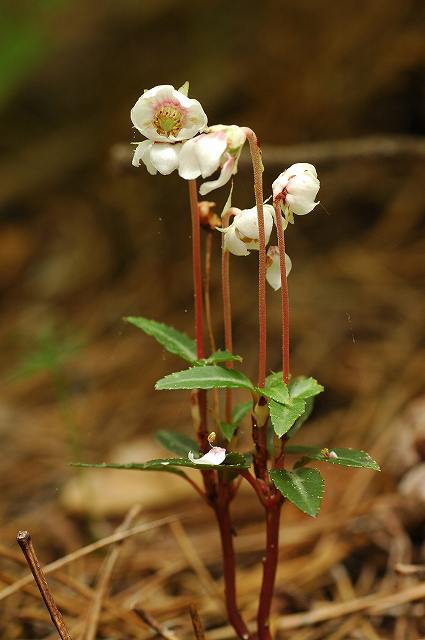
x=283 y=291
x=208 y=316
x=255 y=484
x=222 y=513
x=259 y=436
x=199 y=396
x=257 y=166
x=269 y=570
x=227 y=314
x=197 y=270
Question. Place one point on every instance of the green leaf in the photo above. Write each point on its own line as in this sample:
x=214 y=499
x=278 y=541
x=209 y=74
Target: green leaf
x=277 y=391
x=228 y=430
x=309 y=404
x=176 y=442
x=172 y=340
x=273 y=378
x=240 y=411
x=232 y=461
x=208 y=377
x=303 y=387
x=284 y=416
x=219 y=356
x=235 y=460
x=346 y=457
x=167 y=465
x=303 y=487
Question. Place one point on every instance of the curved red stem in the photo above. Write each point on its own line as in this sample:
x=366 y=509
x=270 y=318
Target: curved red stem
x=257 y=167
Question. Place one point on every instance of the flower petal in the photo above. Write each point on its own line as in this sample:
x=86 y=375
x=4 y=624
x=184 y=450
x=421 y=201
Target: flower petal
x=192 y=117
x=297 y=170
x=300 y=206
x=209 y=149
x=233 y=243
x=215 y=456
x=165 y=157
x=301 y=167
x=202 y=155
x=142 y=154
x=246 y=222
x=273 y=267
x=227 y=170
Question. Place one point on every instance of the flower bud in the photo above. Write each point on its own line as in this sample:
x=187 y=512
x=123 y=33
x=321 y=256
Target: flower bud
x=273 y=267
x=295 y=189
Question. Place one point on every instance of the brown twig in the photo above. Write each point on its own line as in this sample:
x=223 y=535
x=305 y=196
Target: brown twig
x=25 y=542
x=90 y=548
x=410 y=569
x=194 y=560
x=154 y=625
x=104 y=577
x=198 y=629
x=374 y=603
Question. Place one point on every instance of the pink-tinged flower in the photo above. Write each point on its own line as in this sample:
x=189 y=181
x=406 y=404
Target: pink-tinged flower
x=201 y=155
x=296 y=189
x=229 y=160
x=158 y=156
x=163 y=114
x=241 y=236
x=219 y=147
x=215 y=456
x=273 y=267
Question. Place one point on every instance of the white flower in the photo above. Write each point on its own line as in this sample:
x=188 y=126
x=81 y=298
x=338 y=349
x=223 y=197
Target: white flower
x=163 y=114
x=215 y=456
x=242 y=235
x=219 y=147
x=158 y=156
x=296 y=189
x=273 y=267
x=229 y=160
x=201 y=155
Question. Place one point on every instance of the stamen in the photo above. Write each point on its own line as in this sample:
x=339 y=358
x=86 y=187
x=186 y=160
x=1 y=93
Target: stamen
x=168 y=121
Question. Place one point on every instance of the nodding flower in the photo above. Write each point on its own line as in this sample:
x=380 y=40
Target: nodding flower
x=219 y=147
x=295 y=190
x=273 y=267
x=241 y=236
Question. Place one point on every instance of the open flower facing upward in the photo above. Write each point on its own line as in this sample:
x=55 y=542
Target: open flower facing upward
x=215 y=455
x=273 y=267
x=166 y=117
x=295 y=189
x=241 y=236
x=163 y=114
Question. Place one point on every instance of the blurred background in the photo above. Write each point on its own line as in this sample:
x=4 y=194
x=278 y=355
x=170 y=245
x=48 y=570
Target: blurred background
x=87 y=239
